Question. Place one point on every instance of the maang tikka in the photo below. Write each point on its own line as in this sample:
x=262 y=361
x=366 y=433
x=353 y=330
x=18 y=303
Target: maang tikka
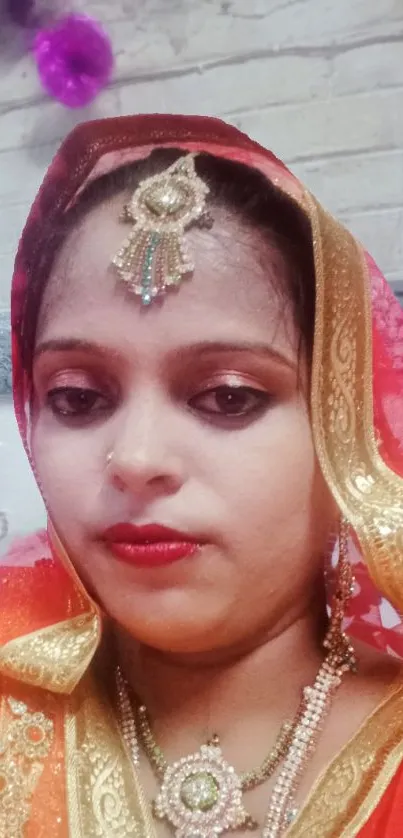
x=154 y=256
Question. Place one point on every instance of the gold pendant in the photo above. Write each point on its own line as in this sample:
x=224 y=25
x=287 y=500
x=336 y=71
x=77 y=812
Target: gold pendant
x=154 y=256
x=201 y=796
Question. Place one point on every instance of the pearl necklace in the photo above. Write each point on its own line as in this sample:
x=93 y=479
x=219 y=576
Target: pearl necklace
x=201 y=794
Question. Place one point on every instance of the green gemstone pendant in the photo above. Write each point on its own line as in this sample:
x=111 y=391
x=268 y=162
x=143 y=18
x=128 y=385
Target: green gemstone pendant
x=201 y=796
x=200 y=792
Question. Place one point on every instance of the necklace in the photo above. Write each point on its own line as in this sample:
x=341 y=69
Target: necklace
x=201 y=794
x=248 y=780
x=318 y=700
x=199 y=781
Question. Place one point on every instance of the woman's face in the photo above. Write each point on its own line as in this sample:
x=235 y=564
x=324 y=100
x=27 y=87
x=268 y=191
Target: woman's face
x=201 y=402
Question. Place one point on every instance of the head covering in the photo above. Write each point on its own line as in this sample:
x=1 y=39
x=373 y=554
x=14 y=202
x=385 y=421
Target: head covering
x=357 y=369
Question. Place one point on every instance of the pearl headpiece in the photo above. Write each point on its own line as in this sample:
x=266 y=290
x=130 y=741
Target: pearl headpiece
x=154 y=256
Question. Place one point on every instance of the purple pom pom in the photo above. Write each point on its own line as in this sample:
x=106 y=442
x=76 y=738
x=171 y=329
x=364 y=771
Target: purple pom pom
x=74 y=60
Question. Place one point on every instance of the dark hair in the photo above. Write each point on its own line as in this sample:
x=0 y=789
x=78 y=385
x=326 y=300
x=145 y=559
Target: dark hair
x=233 y=186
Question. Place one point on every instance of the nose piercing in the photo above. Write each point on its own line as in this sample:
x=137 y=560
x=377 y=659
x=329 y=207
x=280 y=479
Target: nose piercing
x=117 y=480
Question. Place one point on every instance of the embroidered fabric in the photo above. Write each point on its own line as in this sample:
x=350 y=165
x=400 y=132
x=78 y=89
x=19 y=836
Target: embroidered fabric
x=97 y=147
x=357 y=398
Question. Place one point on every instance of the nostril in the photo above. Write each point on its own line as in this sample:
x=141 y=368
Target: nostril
x=118 y=483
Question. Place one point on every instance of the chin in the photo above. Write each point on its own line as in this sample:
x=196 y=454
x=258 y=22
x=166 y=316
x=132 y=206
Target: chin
x=179 y=613
x=182 y=632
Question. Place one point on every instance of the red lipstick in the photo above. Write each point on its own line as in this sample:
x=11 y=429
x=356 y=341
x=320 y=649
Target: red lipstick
x=149 y=546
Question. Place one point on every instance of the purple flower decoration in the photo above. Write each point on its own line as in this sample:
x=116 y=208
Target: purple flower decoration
x=74 y=59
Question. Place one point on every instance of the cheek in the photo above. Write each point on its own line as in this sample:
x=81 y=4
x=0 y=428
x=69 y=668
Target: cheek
x=66 y=468
x=272 y=472
x=279 y=511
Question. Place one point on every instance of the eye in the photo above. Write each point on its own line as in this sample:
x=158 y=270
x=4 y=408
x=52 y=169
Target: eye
x=76 y=402
x=230 y=401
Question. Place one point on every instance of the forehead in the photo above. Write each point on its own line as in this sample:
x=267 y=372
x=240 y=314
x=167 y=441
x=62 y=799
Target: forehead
x=238 y=288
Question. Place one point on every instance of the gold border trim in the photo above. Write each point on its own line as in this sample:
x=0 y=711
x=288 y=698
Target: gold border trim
x=369 y=805
x=53 y=658
x=348 y=791
x=22 y=760
x=368 y=492
x=104 y=796
x=72 y=792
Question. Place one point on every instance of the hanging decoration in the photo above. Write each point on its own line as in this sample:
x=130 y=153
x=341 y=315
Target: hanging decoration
x=74 y=59
x=73 y=53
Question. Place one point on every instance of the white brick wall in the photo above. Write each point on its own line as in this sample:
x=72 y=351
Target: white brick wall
x=318 y=81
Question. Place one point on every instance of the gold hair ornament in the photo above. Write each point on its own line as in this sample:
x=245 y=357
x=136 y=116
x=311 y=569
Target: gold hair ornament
x=154 y=257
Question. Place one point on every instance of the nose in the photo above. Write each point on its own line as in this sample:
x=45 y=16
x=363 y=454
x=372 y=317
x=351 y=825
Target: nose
x=144 y=457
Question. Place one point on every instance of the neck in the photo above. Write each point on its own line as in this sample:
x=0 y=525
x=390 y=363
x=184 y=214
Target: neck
x=208 y=695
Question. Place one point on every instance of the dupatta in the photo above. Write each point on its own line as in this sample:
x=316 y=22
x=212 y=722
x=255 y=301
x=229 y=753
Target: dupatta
x=48 y=639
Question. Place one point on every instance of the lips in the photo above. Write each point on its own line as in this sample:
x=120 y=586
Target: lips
x=149 y=546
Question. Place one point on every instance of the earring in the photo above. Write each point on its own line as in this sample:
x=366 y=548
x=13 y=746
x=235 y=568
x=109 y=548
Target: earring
x=336 y=640
x=109 y=458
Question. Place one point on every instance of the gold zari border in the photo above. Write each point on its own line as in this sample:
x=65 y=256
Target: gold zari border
x=369 y=494
x=349 y=790
x=26 y=737
x=55 y=657
x=105 y=799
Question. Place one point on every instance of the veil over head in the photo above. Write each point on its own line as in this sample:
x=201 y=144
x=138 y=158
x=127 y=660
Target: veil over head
x=356 y=391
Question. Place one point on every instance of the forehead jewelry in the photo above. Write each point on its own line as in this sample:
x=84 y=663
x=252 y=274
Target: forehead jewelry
x=154 y=256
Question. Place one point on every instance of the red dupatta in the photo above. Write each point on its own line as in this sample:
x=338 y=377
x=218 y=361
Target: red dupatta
x=357 y=410
x=358 y=423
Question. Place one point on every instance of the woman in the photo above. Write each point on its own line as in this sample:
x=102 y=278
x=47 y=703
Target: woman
x=193 y=380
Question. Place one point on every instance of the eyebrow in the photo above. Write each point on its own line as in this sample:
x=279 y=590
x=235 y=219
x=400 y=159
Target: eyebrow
x=200 y=349
x=265 y=350
x=70 y=345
